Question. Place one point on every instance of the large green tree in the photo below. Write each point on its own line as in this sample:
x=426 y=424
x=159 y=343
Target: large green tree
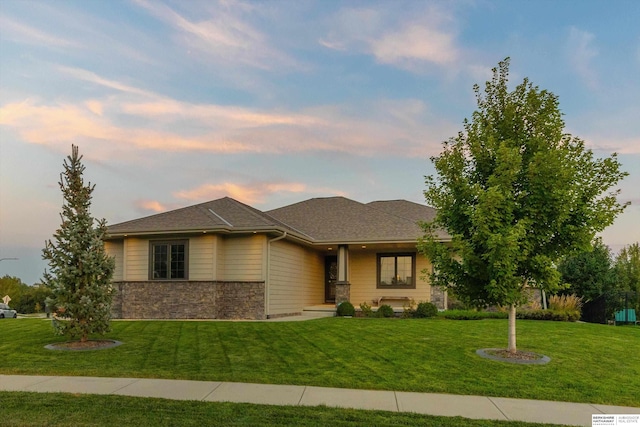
x=80 y=270
x=516 y=194
x=589 y=273
x=627 y=269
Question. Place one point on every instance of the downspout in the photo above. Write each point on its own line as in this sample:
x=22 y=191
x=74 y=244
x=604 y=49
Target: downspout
x=267 y=282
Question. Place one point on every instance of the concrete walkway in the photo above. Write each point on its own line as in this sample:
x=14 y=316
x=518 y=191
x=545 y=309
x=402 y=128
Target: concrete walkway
x=478 y=407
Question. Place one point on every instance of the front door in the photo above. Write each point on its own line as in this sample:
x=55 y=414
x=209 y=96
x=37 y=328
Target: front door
x=330 y=277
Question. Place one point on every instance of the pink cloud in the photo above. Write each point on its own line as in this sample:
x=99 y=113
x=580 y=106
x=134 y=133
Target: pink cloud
x=254 y=193
x=403 y=128
x=400 y=127
x=228 y=116
x=249 y=194
x=150 y=206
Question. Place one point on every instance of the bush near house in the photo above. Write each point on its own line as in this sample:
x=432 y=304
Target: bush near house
x=426 y=309
x=345 y=309
x=366 y=310
x=386 y=311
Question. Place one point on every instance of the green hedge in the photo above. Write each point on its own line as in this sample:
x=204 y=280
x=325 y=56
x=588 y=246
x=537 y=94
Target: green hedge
x=472 y=315
x=555 y=315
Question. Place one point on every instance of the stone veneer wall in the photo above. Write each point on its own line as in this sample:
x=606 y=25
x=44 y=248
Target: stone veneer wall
x=439 y=297
x=188 y=300
x=343 y=292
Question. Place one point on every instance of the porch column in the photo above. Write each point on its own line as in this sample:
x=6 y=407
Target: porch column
x=343 y=291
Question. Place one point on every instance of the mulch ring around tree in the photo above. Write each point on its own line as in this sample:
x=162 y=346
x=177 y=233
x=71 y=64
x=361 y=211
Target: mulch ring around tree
x=519 y=357
x=83 y=346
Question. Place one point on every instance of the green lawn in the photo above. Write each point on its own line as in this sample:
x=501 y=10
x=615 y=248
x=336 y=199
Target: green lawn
x=590 y=363
x=58 y=409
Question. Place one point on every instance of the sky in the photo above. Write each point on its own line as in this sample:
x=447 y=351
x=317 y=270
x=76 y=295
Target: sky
x=174 y=103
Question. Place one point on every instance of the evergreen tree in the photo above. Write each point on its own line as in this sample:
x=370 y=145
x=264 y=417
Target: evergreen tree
x=80 y=270
x=516 y=194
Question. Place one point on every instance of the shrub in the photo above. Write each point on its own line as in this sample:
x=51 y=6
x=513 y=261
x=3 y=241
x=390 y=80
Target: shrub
x=408 y=310
x=473 y=315
x=385 y=311
x=366 y=310
x=426 y=309
x=408 y=313
x=345 y=309
x=555 y=315
x=453 y=303
x=565 y=302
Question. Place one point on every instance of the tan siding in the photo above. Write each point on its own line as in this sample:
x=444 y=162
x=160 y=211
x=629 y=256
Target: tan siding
x=296 y=278
x=136 y=259
x=220 y=258
x=364 y=281
x=243 y=258
x=202 y=262
x=115 y=248
x=202 y=258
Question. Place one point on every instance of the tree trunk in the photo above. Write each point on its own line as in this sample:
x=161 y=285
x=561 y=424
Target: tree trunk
x=512 y=328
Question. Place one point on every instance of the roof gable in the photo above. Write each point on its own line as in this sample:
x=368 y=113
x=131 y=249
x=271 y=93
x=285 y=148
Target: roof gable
x=220 y=214
x=338 y=219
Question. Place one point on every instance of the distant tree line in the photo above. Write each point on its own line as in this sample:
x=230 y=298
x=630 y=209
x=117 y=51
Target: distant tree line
x=601 y=278
x=25 y=299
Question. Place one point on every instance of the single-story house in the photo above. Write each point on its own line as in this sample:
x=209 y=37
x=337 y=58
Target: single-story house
x=226 y=260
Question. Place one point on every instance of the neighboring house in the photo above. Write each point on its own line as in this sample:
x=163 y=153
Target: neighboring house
x=226 y=260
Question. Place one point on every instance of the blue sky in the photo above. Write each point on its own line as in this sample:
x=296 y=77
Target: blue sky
x=273 y=102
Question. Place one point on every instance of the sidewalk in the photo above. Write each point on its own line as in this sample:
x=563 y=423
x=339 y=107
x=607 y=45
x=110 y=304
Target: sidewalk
x=478 y=407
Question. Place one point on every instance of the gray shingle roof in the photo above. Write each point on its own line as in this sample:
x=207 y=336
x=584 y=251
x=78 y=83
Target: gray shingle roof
x=319 y=220
x=409 y=210
x=220 y=214
x=338 y=219
x=405 y=209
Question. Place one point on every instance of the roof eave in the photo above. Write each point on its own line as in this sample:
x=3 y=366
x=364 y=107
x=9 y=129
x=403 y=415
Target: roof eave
x=373 y=241
x=216 y=230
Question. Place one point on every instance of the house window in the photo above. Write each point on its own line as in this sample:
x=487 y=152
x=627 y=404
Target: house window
x=168 y=260
x=396 y=271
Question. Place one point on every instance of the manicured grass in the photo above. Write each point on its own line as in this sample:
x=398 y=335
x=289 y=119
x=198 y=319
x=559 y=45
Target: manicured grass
x=589 y=363
x=58 y=409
